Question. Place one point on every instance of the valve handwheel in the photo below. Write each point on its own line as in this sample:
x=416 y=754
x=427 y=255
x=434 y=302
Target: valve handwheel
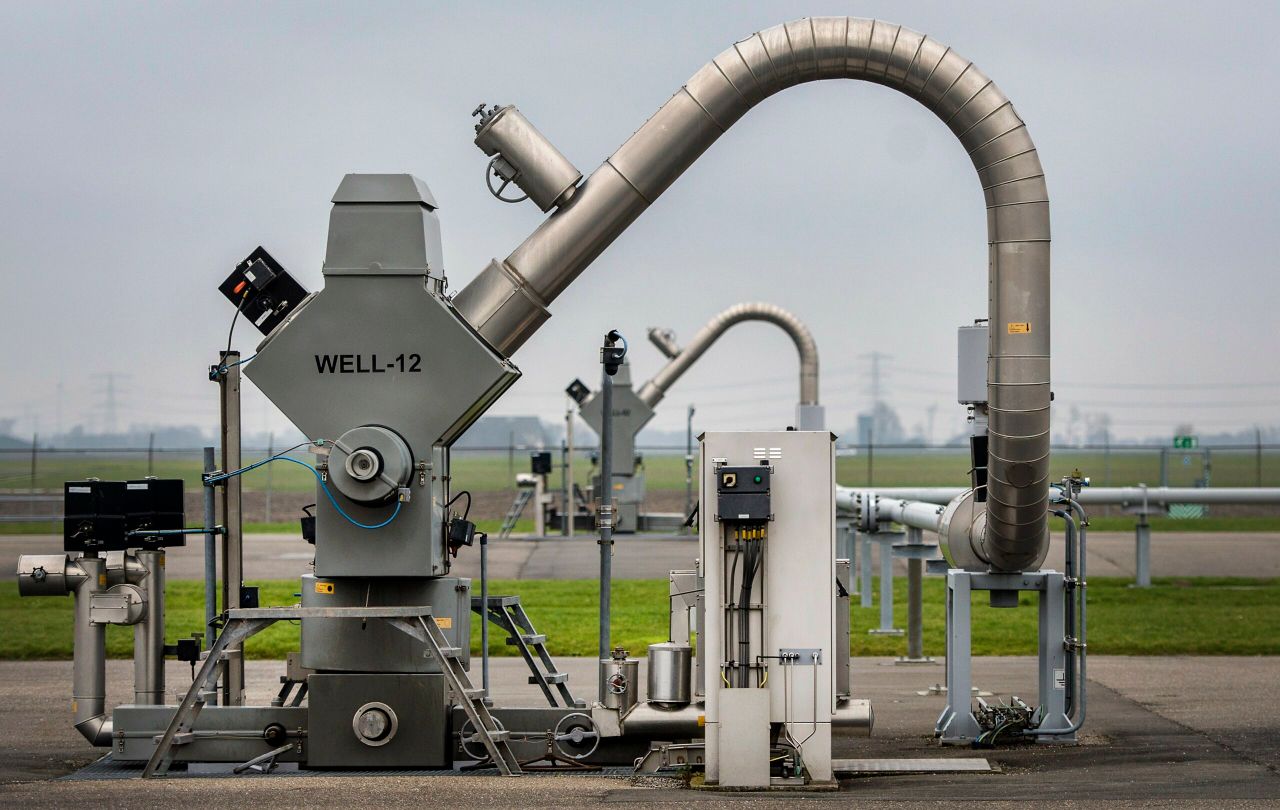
x=576 y=736
x=491 y=172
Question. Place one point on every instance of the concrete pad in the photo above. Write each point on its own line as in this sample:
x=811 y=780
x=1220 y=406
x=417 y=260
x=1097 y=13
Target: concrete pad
x=1160 y=733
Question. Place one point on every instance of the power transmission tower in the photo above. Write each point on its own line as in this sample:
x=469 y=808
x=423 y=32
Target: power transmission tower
x=876 y=376
x=108 y=404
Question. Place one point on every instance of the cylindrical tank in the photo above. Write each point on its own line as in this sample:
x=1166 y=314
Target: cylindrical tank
x=618 y=681
x=670 y=679
x=543 y=172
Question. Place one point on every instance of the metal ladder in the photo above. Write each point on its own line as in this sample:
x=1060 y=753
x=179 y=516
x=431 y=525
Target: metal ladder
x=513 y=514
x=508 y=613
x=497 y=741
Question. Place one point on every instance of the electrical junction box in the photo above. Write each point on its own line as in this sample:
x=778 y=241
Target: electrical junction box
x=971 y=377
x=155 y=504
x=262 y=290
x=742 y=494
x=540 y=463
x=93 y=516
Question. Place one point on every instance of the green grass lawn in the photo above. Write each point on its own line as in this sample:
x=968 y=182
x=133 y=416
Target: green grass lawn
x=1195 y=616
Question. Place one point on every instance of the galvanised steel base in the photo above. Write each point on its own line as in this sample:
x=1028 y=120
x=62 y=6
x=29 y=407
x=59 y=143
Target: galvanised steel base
x=957 y=724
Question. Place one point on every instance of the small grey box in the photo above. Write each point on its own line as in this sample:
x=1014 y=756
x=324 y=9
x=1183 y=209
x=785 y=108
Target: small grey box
x=422 y=721
x=971 y=378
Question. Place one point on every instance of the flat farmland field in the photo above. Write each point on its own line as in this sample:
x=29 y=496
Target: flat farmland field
x=494 y=471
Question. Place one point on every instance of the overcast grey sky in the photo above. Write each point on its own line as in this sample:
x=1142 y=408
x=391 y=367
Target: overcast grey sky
x=147 y=148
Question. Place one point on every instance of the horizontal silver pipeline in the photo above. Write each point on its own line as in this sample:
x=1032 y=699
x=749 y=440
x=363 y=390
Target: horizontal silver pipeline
x=655 y=722
x=846 y=497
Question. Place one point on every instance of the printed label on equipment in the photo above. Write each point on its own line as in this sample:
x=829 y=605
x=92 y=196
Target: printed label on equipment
x=79 y=490
x=324 y=587
x=1019 y=328
x=444 y=622
x=1059 y=679
x=135 y=486
x=367 y=364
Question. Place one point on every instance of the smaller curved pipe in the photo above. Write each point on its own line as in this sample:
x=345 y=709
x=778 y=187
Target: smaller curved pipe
x=656 y=388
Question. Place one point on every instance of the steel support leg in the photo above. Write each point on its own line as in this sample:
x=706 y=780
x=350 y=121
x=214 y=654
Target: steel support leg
x=865 y=568
x=1142 y=547
x=957 y=725
x=885 y=540
x=1053 y=658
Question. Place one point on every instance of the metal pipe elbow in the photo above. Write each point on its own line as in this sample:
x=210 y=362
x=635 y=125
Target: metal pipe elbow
x=98 y=730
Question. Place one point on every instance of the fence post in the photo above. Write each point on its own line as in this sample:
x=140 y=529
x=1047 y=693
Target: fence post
x=1257 y=439
x=151 y=454
x=271 y=444
x=35 y=445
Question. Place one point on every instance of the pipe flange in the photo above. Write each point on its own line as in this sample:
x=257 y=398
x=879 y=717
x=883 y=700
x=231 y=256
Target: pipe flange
x=369 y=464
x=963 y=520
x=375 y=724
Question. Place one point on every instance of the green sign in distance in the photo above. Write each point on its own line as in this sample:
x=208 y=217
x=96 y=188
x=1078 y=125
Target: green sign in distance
x=1185 y=442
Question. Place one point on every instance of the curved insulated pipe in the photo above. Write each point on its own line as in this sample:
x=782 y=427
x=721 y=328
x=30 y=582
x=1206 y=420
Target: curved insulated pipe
x=652 y=392
x=507 y=302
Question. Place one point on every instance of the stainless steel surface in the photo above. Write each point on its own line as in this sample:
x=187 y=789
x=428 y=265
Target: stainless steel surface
x=1132 y=497
x=665 y=723
x=88 y=576
x=512 y=294
x=148 y=635
x=605 y=516
x=383 y=224
x=542 y=171
x=338 y=703
x=670 y=674
x=232 y=536
x=221 y=733
x=43 y=575
x=971 y=364
x=356 y=644
x=855 y=715
x=619 y=682
x=369 y=464
x=653 y=391
x=790 y=603
x=844 y=581
x=382 y=345
x=210 y=550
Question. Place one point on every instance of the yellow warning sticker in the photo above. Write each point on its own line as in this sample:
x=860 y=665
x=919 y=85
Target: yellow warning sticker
x=444 y=622
x=1019 y=328
x=102 y=580
x=702 y=720
x=324 y=587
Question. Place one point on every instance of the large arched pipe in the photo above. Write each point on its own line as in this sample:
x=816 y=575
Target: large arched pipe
x=507 y=302
x=808 y=411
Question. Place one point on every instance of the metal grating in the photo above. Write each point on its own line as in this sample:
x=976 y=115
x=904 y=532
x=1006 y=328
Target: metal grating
x=108 y=768
x=854 y=767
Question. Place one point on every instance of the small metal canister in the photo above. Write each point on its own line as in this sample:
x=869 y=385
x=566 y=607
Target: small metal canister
x=618 y=677
x=670 y=678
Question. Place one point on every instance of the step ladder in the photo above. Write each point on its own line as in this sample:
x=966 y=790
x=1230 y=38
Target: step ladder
x=513 y=514
x=496 y=740
x=508 y=613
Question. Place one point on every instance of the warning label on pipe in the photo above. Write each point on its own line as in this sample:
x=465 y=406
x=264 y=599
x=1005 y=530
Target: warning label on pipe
x=1019 y=328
